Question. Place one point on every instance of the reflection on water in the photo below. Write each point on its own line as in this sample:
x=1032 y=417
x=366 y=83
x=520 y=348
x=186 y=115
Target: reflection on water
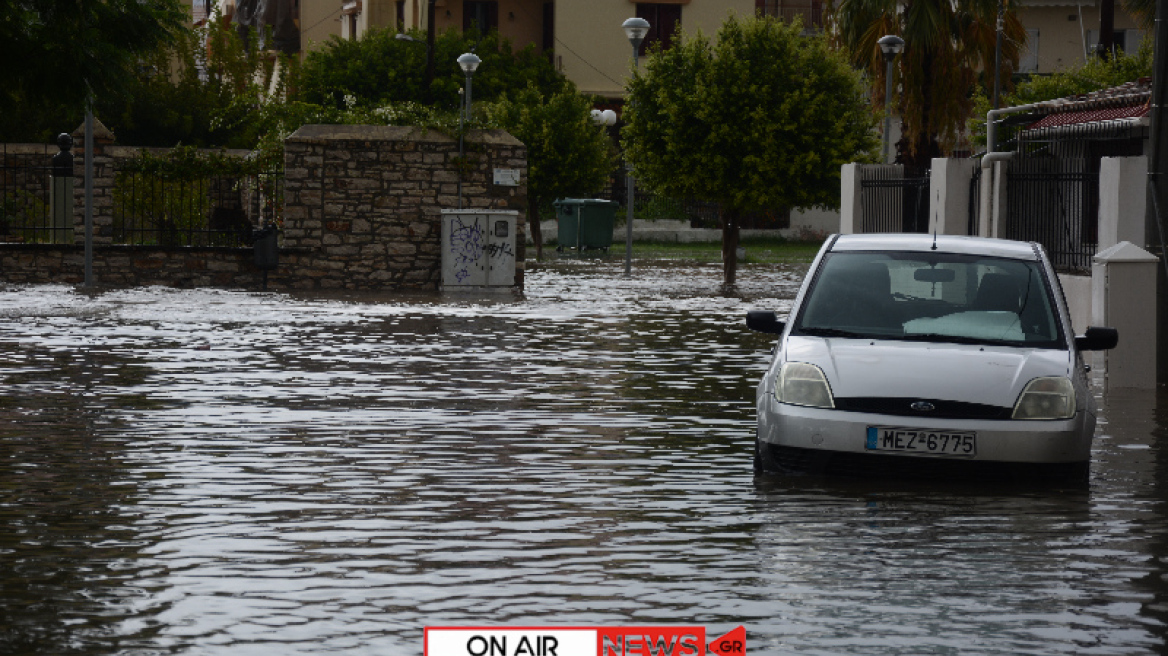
x=225 y=472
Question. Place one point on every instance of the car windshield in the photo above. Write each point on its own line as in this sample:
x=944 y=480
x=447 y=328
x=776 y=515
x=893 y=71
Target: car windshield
x=931 y=297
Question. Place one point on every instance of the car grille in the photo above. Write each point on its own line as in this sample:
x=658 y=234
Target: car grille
x=902 y=407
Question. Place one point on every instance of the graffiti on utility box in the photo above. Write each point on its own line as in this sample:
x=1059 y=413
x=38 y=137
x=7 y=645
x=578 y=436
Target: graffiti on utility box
x=478 y=248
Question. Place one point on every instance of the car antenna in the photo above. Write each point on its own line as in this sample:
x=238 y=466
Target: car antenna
x=934 y=239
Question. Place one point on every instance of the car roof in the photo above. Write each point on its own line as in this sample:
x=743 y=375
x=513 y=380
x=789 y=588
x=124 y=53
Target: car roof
x=1017 y=250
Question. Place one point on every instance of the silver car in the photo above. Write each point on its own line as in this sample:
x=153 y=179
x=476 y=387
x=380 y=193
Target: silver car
x=925 y=355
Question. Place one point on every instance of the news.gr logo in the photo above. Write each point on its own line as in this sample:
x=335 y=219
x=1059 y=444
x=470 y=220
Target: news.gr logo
x=581 y=641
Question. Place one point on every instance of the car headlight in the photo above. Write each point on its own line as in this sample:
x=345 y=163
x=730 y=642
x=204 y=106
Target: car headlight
x=1046 y=398
x=799 y=383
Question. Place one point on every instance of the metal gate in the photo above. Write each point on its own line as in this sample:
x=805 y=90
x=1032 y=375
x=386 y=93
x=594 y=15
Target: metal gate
x=1055 y=202
x=895 y=199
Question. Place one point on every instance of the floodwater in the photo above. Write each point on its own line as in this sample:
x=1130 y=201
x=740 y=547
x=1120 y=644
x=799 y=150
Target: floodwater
x=213 y=472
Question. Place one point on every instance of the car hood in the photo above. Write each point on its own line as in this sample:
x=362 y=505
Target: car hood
x=993 y=375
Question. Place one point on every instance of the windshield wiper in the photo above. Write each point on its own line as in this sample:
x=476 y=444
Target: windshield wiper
x=831 y=332
x=956 y=339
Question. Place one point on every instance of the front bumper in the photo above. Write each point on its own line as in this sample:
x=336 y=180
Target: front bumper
x=1004 y=441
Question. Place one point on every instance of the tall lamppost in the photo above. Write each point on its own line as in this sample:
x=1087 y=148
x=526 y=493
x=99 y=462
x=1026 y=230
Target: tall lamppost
x=469 y=63
x=890 y=45
x=998 y=52
x=635 y=29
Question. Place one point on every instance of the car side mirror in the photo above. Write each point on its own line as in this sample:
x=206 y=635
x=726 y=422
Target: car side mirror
x=1097 y=339
x=764 y=321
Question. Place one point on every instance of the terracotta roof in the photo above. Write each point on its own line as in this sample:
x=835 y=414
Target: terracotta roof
x=1126 y=101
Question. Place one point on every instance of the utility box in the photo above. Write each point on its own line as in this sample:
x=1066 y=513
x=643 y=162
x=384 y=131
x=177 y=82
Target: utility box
x=478 y=248
x=585 y=223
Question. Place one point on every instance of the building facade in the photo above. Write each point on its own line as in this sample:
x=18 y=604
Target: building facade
x=1063 y=33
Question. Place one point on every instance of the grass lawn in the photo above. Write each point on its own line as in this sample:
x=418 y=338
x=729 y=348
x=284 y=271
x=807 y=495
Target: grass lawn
x=758 y=251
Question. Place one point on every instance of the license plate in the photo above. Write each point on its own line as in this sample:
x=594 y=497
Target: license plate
x=923 y=442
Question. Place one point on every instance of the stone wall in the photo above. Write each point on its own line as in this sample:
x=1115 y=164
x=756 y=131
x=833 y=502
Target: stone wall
x=362 y=211
x=363 y=204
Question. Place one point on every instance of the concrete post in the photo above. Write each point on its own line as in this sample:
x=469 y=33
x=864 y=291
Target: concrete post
x=1123 y=290
x=949 y=192
x=851 y=210
x=1122 y=200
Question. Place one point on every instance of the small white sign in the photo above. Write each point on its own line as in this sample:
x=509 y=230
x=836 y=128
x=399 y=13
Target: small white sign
x=507 y=177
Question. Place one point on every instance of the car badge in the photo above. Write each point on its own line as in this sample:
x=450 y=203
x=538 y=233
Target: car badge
x=923 y=406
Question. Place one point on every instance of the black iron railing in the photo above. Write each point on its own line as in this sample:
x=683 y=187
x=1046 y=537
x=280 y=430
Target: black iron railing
x=150 y=209
x=1055 y=203
x=26 y=200
x=895 y=199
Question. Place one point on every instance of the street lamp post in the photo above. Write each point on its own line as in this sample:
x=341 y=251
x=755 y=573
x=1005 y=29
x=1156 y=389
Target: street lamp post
x=998 y=52
x=635 y=29
x=890 y=45
x=469 y=63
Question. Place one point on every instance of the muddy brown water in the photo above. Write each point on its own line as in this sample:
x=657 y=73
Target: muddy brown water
x=213 y=472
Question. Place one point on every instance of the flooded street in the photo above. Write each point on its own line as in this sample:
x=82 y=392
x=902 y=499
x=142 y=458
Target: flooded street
x=213 y=472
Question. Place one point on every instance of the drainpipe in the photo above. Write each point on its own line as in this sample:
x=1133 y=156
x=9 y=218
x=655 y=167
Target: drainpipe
x=992 y=157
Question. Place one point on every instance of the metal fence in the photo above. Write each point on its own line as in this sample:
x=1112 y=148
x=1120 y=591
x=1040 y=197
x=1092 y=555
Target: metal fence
x=895 y=199
x=1055 y=202
x=155 y=210
x=26 y=199
x=974 y=202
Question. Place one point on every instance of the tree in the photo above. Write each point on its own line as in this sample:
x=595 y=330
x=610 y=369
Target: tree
x=762 y=118
x=946 y=43
x=57 y=51
x=204 y=87
x=567 y=155
x=378 y=69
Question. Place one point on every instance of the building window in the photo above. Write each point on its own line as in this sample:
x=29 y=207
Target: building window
x=787 y=10
x=1125 y=40
x=549 y=26
x=481 y=16
x=401 y=15
x=664 y=24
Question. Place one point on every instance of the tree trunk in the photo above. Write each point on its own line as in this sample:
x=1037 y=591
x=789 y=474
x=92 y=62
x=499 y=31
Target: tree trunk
x=536 y=230
x=730 y=217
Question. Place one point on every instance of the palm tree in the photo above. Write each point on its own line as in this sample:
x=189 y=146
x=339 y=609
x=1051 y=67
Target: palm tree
x=947 y=43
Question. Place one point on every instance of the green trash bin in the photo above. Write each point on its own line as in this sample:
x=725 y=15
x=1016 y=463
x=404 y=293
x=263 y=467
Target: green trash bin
x=585 y=223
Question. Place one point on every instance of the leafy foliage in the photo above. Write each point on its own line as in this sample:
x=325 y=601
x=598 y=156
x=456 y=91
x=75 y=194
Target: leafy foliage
x=761 y=118
x=569 y=155
x=205 y=87
x=56 y=51
x=379 y=69
x=946 y=43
